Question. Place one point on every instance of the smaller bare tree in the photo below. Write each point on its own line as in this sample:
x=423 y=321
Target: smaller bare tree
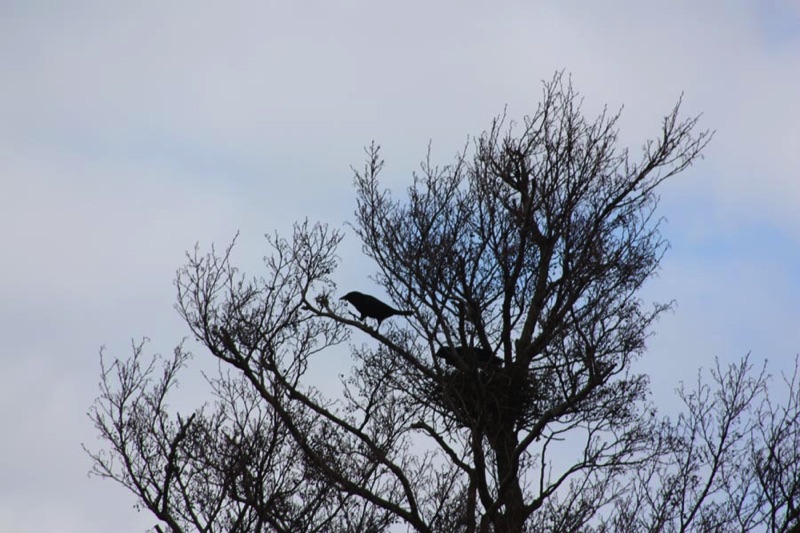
x=734 y=463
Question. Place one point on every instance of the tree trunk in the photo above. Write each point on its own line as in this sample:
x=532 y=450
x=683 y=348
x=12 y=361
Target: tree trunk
x=511 y=519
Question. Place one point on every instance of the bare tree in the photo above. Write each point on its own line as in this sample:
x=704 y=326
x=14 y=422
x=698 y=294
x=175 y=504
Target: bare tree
x=532 y=247
x=733 y=465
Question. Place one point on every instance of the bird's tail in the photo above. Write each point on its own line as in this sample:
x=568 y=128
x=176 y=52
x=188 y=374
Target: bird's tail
x=405 y=313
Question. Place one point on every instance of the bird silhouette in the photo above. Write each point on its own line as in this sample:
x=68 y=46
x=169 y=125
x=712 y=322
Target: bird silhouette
x=371 y=307
x=470 y=356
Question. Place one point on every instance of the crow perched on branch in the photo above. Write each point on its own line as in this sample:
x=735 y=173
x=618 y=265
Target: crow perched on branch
x=371 y=307
x=470 y=356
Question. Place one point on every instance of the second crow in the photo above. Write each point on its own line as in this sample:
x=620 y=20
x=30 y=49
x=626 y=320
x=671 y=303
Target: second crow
x=371 y=307
x=469 y=356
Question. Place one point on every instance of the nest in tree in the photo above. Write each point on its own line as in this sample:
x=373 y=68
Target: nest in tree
x=491 y=397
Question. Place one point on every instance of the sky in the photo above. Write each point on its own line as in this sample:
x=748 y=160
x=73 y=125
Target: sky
x=129 y=131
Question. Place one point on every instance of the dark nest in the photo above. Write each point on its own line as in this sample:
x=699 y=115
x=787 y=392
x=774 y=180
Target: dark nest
x=489 y=397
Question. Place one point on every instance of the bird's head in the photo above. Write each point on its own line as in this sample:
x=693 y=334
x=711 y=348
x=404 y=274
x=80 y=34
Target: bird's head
x=347 y=297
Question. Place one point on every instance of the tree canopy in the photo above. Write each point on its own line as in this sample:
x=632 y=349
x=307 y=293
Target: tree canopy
x=505 y=402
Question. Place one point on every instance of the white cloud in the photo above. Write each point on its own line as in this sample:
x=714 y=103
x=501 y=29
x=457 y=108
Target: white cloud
x=132 y=130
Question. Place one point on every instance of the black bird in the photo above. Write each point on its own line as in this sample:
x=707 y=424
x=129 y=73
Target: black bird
x=371 y=307
x=469 y=356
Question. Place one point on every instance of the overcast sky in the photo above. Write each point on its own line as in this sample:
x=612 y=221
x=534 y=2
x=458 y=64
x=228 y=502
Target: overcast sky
x=131 y=130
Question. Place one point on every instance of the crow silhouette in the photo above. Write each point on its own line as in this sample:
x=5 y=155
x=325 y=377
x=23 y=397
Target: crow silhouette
x=371 y=307
x=469 y=356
